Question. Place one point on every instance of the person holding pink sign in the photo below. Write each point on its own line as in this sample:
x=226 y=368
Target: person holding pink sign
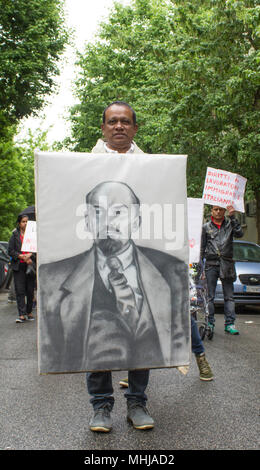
x=24 y=277
x=217 y=250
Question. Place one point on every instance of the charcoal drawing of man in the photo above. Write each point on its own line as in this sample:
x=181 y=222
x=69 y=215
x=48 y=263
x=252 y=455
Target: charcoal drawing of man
x=117 y=305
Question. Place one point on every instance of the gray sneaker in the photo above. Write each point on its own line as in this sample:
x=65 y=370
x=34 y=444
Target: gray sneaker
x=138 y=415
x=20 y=320
x=101 y=420
x=30 y=317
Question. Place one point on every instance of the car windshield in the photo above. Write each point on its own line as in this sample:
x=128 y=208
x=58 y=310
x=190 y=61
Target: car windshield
x=246 y=252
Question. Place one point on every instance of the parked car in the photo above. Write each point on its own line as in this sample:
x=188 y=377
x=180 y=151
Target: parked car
x=247 y=285
x=4 y=246
x=5 y=267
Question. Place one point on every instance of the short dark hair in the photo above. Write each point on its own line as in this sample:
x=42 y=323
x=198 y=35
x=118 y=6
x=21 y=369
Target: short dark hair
x=119 y=103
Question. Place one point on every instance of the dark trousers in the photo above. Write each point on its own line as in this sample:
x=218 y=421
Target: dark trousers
x=212 y=275
x=24 y=289
x=196 y=341
x=99 y=385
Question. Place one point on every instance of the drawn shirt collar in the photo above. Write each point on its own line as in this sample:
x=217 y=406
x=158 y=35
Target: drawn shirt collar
x=126 y=257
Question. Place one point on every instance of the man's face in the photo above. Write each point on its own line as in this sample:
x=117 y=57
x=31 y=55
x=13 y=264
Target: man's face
x=218 y=213
x=112 y=216
x=119 y=128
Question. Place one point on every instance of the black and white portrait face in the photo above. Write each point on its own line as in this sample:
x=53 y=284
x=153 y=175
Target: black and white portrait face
x=113 y=214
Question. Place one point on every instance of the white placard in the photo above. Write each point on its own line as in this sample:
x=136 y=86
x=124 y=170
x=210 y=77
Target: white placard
x=195 y=219
x=30 y=237
x=224 y=189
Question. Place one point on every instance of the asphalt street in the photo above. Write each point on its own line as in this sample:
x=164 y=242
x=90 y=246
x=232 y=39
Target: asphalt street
x=51 y=412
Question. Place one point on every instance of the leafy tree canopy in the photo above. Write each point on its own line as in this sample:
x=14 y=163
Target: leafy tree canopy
x=17 y=176
x=187 y=67
x=191 y=71
x=32 y=38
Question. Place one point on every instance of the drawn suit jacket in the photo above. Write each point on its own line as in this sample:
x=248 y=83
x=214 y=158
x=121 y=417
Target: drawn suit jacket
x=66 y=298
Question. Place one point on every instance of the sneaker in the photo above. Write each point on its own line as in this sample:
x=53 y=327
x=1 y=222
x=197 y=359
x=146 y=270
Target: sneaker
x=138 y=415
x=211 y=326
x=101 y=420
x=204 y=368
x=20 y=320
x=30 y=317
x=123 y=383
x=231 y=329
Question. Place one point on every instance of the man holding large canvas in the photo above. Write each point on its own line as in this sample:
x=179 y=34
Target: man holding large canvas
x=117 y=305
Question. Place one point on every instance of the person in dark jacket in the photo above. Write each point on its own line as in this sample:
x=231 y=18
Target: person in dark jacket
x=23 y=271
x=217 y=250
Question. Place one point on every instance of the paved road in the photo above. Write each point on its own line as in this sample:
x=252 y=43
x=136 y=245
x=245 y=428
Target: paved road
x=52 y=411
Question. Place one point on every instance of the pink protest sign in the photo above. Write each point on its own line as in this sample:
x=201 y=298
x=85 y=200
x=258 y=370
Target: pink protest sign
x=222 y=188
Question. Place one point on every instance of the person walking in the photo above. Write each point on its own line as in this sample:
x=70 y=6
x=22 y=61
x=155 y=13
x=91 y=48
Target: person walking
x=217 y=250
x=24 y=281
x=119 y=128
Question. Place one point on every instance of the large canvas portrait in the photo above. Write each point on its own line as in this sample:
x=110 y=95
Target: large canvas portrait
x=113 y=253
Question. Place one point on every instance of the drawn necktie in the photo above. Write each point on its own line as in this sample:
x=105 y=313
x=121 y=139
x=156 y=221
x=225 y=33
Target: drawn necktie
x=125 y=297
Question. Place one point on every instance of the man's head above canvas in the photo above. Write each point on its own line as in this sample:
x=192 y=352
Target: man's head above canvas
x=113 y=214
x=119 y=126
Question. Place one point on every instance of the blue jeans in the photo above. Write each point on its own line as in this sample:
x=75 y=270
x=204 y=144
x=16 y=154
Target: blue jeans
x=196 y=341
x=212 y=275
x=99 y=385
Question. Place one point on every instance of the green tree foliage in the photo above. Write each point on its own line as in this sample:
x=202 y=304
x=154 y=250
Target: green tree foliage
x=32 y=38
x=26 y=146
x=13 y=186
x=17 y=176
x=191 y=71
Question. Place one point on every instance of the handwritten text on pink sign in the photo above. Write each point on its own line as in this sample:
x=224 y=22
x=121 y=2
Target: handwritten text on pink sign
x=224 y=189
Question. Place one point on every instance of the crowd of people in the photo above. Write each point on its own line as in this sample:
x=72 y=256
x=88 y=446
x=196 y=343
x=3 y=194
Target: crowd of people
x=119 y=127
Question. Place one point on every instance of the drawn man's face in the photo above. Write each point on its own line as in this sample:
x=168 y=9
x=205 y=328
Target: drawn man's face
x=112 y=216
